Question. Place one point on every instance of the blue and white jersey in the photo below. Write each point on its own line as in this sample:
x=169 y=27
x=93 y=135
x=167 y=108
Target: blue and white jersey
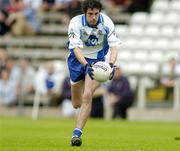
x=93 y=41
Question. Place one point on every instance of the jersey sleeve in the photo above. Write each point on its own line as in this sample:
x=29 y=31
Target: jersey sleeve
x=113 y=39
x=74 y=35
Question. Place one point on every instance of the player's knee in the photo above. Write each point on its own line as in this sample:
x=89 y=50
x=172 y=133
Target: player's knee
x=76 y=105
x=87 y=97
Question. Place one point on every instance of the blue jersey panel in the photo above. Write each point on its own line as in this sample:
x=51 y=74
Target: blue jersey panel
x=76 y=69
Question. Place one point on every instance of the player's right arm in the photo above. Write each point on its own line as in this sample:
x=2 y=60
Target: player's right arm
x=75 y=43
x=82 y=60
x=79 y=56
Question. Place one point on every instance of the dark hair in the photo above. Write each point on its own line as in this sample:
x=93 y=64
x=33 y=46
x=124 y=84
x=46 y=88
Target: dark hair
x=91 y=4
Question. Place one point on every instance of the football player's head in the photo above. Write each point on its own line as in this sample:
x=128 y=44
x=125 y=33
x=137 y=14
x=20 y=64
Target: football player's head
x=92 y=9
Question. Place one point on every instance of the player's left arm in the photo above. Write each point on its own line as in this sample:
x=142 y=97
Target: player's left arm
x=113 y=54
x=113 y=40
x=112 y=59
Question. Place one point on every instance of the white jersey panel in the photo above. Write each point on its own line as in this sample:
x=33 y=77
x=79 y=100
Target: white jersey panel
x=74 y=33
x=113 y=39
x=91 y=40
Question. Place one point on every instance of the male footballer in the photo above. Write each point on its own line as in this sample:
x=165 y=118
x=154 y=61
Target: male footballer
x=91 y=36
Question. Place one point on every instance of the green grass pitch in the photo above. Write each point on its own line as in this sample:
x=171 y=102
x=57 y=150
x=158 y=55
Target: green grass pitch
x=23 y=134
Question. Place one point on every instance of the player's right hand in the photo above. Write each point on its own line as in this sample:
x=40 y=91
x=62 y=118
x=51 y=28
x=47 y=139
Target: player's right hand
x=89 y=71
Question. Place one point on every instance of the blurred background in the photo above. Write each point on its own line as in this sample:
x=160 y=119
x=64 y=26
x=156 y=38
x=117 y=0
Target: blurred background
x=33 y=73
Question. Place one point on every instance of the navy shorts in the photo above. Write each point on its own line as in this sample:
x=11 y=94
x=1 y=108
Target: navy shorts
x=76 y=69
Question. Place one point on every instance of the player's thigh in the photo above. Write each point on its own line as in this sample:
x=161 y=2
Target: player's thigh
x=89 y=87
x=76 y=93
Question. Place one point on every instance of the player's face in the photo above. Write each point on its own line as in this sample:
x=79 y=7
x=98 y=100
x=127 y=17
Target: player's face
x=92 y=16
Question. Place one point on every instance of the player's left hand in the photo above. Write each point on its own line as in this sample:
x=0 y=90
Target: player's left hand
x=113 y=67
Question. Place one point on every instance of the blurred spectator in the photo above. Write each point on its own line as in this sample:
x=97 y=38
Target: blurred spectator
x=168 y=81
x=73 y=9
x=119 y=2
x=120 y=95
x=14 y=70
x=49 y=78
x=8 y=89
x=48 y=5
x=34 y=4
x=4 y=26
x=62 y=5
x=23 y=18
x=130 y=6
x=13 y=6
x=55 y=5
x=138 y=5
x=27 y=77
x=67 y=108
x=47 y=83
x=3 y=58
x=51 y=82
x=115 y=6
x=4 y=3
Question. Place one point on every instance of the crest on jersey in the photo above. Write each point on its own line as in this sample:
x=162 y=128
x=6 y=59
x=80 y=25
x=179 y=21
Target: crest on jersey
x=92 y=41
x=92 y=36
